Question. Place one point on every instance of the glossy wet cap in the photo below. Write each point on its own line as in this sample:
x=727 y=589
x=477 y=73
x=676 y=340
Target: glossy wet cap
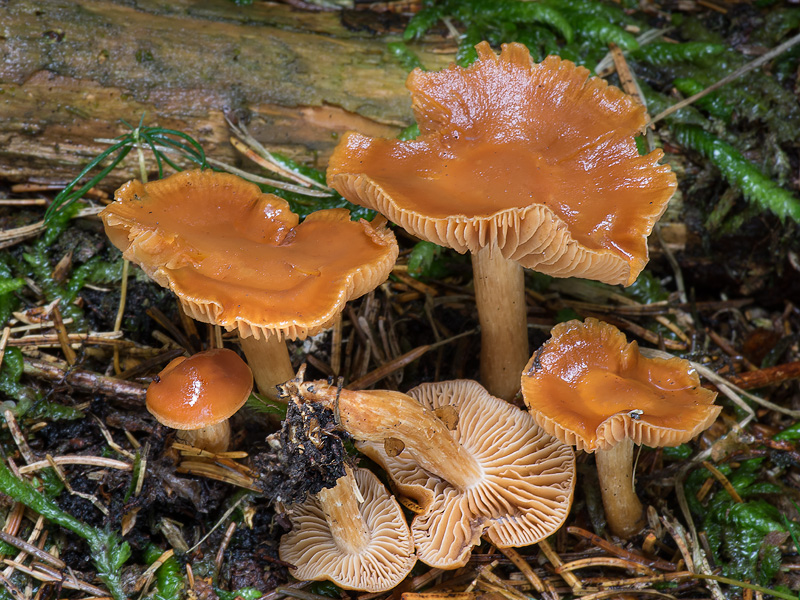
x=590 y=388
x=523 y=495
x=239 y=258
x=539 y=159
x=378 y=567
x=202 y=390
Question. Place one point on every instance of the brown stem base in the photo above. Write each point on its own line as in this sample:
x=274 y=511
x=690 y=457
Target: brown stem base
x=622 y=505
x=214 y=438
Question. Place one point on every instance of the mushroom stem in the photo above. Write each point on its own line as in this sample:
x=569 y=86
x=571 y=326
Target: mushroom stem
x=622 y=505
x=340 y=505
x=500 y=296
x=269 y=361
x=376 y=415
x=214 y=438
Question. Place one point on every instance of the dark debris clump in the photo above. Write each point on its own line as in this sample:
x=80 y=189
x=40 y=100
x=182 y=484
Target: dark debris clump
x=306 y=455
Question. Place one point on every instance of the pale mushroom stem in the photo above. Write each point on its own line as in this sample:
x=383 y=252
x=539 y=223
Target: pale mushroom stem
x=340 y=505
x=374 y=416
x=500 y=297
x=214 y=438
x=269 y=360
x=622 y=505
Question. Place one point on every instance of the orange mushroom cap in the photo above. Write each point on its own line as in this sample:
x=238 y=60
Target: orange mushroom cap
x=202 y=390
x=524 y=491
x=537 y=158
x=238 y=257
x=590 y=388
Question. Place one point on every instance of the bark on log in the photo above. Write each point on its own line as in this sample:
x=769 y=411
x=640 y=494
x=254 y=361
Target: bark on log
x=70 y=70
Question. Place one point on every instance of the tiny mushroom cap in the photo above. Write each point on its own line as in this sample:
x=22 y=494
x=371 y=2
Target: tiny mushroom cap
x=359 y=544
x=527 y=163
x=199 y=394
x=239 y=258
x=590 y=388
x=515 y=482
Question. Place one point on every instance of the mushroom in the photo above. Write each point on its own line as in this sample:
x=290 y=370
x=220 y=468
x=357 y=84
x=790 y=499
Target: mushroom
x=239 y=258
x=494 y=472
x=353 y=534
x=197 y=396
x=520 y=164
x=592 y=389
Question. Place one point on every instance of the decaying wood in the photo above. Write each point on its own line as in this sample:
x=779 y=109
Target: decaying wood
x=70 y=70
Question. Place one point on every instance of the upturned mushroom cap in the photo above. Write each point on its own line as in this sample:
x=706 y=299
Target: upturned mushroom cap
x=523 y=495
x=590 y=388
x=539 y=159
x=202 y=390
x=382 y=564
x=238 y=257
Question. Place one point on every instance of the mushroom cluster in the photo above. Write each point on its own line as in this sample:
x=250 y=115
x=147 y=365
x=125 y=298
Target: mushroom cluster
x=523 y=165
x=493 y=471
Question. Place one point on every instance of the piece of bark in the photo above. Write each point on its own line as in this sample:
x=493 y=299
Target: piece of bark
x=70 y=70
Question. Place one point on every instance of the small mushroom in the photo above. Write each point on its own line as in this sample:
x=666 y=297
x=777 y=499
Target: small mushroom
x=197 y=396
x=494 y=472
x=592 y=389
x=522 y=165
x=239 y=258
x=353 y=534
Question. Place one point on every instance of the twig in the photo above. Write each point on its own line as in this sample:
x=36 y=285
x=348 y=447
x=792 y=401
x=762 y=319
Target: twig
x=768 y=376
x=519 y=562
x=9 y=237
x=63 y=337
x=271 y=162
x=401 y=361
x=99 y=338
x=110 y=440
x=85 y=381
x=146 y=365
x=605 y=561
x=144 y=578
x=123 y=294
x=71 y=582
x=754 y=64
x=220 y=556
x=90 y=497
x=11 y=588
x=613 y=593
x=655 y=563
x=31 y=549
x=19 y=437
x=3 y=342
x=556 y=561
x=723 y=481
x=732 y=391
x=142 y=469
x=227 y=514
x=77 y=459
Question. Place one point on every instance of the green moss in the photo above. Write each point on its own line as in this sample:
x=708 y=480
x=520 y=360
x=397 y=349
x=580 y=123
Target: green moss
x=405 y=56
x=739 y=532
x=169 y=576
x=737 y=170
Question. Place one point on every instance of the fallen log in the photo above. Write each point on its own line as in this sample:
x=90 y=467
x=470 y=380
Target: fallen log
x=70 y=70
